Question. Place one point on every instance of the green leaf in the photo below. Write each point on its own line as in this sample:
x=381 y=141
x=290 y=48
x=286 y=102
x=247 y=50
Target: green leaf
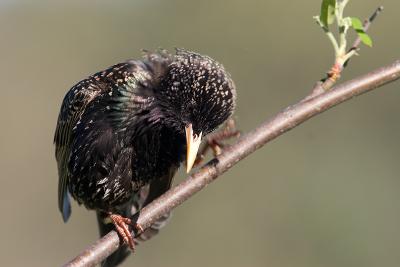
x=365 y=38
x=358 y=27
x=328 y=9
x=357 y=24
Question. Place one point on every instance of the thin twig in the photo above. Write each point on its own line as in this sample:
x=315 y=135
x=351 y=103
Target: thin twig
x=326 y=83
x=247 y=144
x=367 y=24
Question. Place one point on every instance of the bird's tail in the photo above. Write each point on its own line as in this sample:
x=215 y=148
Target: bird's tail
x=137 y=202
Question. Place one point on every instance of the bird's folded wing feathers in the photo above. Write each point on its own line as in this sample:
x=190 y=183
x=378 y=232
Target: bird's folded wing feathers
x=72 y=108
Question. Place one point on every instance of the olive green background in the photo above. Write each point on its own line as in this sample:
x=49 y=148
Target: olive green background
x=325 y=194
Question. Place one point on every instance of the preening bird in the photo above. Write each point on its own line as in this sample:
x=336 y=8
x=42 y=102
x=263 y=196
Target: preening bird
x=123 y=132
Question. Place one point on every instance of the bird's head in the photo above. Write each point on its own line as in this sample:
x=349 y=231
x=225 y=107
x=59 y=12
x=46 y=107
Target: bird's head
x=198 y=96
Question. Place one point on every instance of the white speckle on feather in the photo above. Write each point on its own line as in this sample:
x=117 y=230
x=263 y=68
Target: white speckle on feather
x=102 y=181
x=108 y=190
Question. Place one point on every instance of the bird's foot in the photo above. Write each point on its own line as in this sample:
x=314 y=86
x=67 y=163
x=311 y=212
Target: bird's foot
x=215 y=140
x=122 y=226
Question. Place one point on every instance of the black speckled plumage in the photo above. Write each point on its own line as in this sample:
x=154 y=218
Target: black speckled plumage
x=122 y=130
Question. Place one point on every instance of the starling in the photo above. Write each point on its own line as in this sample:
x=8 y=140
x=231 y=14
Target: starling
x=122 y=133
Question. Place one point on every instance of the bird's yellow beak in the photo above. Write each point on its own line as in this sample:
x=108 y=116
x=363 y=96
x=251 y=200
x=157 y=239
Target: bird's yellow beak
x=192 y=144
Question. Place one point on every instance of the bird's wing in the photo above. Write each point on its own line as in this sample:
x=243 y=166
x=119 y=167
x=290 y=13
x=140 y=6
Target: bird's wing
x=124 y=79
x=72 y=108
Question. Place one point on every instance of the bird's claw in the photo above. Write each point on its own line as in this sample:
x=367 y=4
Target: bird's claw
x=122 y=226
x=139 y=229
x=215 y=140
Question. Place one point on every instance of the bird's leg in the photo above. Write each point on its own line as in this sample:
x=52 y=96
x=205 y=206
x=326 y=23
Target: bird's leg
x=122 y=226
x=215 y=141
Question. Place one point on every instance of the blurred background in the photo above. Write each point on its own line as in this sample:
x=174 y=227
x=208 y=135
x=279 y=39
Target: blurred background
x=325 y=194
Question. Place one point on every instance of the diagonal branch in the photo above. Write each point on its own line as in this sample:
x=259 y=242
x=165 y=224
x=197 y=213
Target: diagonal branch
x=284 y=121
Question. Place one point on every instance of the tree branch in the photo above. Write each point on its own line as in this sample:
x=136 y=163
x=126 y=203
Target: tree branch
x=289 y=118
x=331 y=77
